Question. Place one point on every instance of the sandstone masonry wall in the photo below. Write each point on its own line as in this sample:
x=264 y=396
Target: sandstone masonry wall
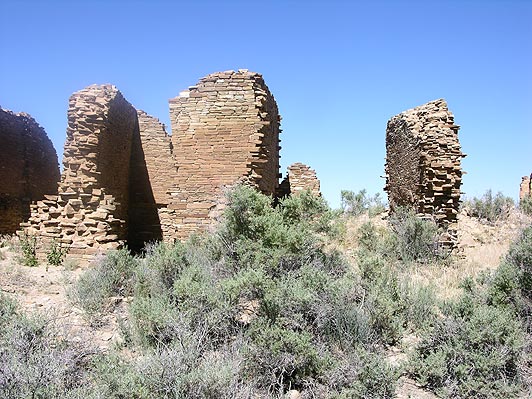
x=91 y=209
x=28 y=171
x=224 y=129
x=153 y=177
x=423 y=164
x=525 y=190
x=300 y=177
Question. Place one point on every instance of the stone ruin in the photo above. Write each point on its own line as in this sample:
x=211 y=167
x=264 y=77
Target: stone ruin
x=125 y=180
x=90 y=210
x=298 y=179
x=423 y=171
x=28 y=168
x=226 y=128
x=525 y=190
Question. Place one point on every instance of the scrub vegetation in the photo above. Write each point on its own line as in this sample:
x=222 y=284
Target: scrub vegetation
x=277 y=302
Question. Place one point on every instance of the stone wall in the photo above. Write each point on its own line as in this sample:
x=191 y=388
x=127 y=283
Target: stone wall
x=91 y=209
x=28 y=168
x=525 y=190
x=224 y=129
x=423 y=164
x=153 y=177
x=300 y=177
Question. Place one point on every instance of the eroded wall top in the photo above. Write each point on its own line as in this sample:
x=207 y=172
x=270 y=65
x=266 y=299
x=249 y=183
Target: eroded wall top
x=299 y=178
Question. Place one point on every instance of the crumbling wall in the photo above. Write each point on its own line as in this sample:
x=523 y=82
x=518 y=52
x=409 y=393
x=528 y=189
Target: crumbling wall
x=224 y=129
x=91 y=209
x=28 y=168
x=153 y=175
x=525 y=190
x=423 y=164
x=299 y=178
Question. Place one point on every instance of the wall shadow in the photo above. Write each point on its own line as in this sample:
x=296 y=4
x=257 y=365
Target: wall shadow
x=144 y=223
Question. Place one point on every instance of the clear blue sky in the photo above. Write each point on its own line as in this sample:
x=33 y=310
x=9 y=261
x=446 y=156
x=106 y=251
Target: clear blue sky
x=338 y=70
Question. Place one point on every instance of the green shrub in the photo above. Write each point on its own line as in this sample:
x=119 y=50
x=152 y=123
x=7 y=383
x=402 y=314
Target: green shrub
x=280 y=357
x=511 y=284
x=256 y=309
x=525 y=204
x=478 y=348
x=28 y=246
x=415 y=239
x=110 y=275
x=490 y=208
x=176 y=371
x=474 y=351
x=361 y=374
x=56 y=253
x=34 y=363
x=358 y=203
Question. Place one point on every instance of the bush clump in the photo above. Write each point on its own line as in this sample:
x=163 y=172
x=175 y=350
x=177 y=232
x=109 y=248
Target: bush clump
x=479 y=346
x=474 y=351
x=525 y=204
x=490 y=208
x=34 y=363
x=357 y=203
x=260 y=307
x=110 y=275
x=414 y=238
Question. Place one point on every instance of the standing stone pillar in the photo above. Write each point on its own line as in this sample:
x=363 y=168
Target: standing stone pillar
x=423 y=164
x=90 y=211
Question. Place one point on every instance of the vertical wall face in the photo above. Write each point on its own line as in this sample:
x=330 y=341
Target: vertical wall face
x=28 y=170
x=153 y=174
x=423 y=157
x=91 y=209
x=224 y=129
x=525 y=190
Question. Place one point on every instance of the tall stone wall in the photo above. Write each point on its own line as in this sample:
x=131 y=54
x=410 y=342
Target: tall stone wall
x=224 y=129
x=525 y=190
x=91 y=209
x=423 y=164
x=28 y=168
x=153 y=177
x=299 y=178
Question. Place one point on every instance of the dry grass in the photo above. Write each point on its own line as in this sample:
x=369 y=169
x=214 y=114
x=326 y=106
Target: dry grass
x=481 y=248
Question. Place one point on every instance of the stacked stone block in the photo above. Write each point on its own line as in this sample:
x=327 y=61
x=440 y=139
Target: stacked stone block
x=299 y=178
x=90 y=211
x=525 y=190
x=225 y=129
x=423 y=164
x=28 y=168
